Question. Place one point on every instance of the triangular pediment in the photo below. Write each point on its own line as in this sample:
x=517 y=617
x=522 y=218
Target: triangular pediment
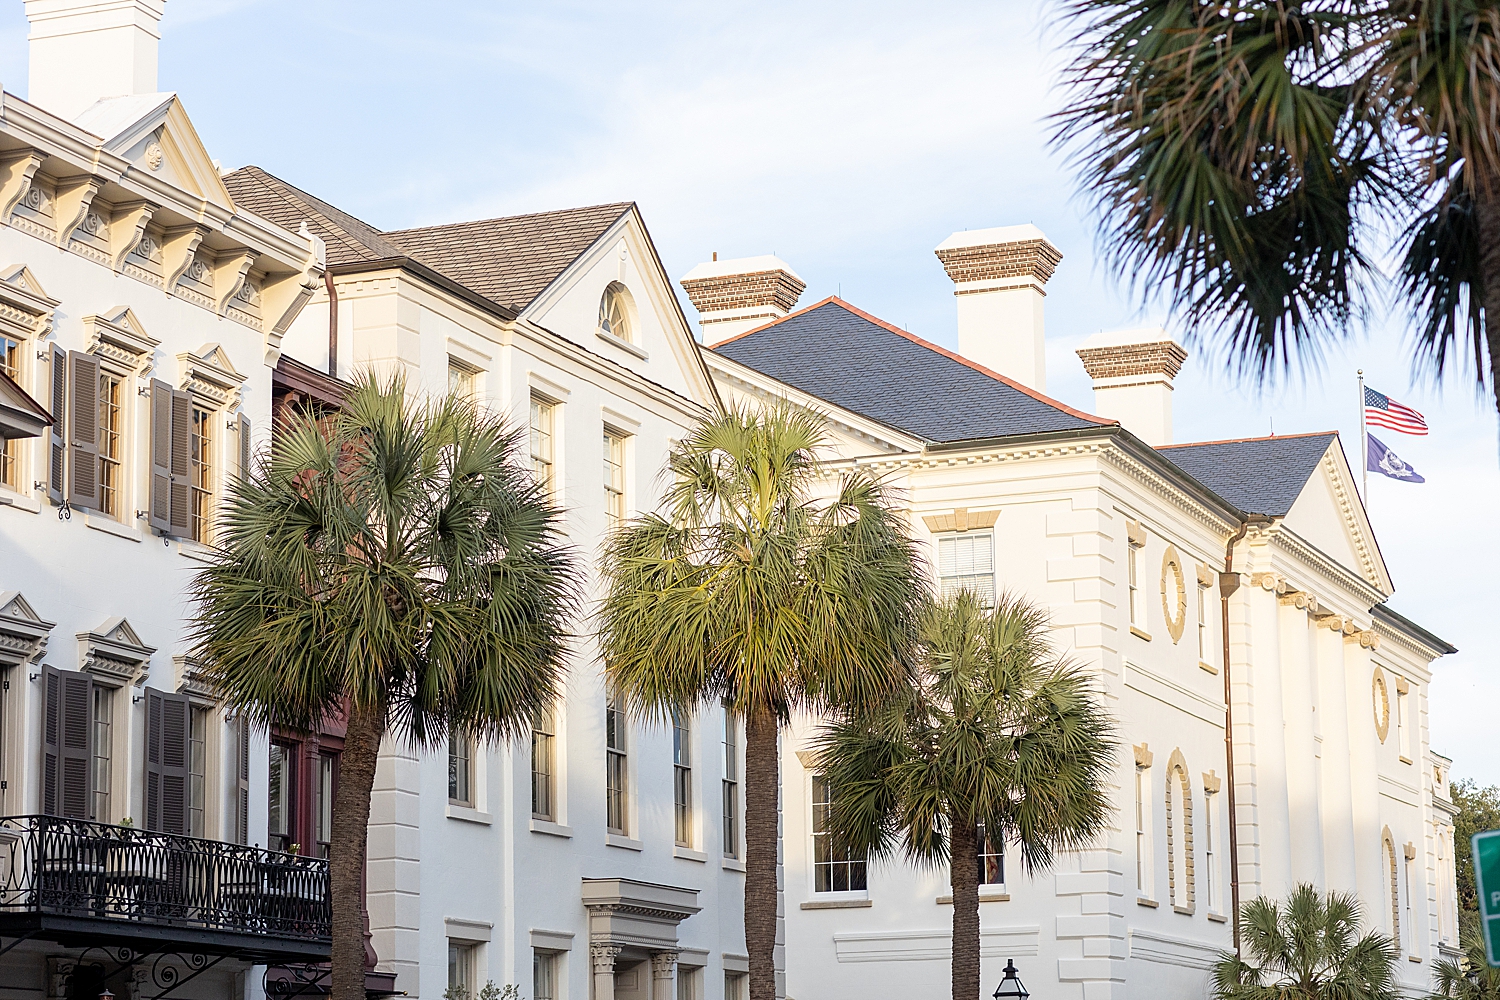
x=15 y=608
x=18 y=279
x=663 y=348
x=154 y=133
x=119 y=630
x=1329 y=514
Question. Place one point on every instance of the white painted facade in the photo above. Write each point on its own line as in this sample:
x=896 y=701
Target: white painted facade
x=124 y=262
x=1332 y=766
x=487 y=875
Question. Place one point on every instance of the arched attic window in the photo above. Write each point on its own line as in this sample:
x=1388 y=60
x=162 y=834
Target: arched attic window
x=617 y=312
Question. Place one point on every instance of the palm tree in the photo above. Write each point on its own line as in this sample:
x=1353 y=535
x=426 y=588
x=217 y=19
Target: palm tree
x=1472 y=977
x=1244 y=156
x=1307 y=949
x=747 y=590
x=1000 y=740
x=395 y=564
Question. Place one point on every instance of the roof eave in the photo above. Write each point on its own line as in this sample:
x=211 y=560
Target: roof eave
x=1412 y=630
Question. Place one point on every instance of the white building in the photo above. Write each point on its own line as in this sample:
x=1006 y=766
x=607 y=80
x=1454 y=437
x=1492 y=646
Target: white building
x=141 y=315
x=1127 y=538
x=606 y=861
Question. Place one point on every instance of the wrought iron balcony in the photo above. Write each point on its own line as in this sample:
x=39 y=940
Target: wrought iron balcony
x=74 y=881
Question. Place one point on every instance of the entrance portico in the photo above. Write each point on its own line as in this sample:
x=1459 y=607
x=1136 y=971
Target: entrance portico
x=633 y=944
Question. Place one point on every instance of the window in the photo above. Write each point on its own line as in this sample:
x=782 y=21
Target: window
x=323 y=794
x=1203 y=651
x=1210 y=850
x=615 y=764
x=460 y=769
x=543 y=732
x=461 y=971
x=1142 y=831
x=542 y=412
x=543 y=975
x=462 y=379
x=731 y=785
x=966 y=561
x=682 y=779
x=689 y=983
x=198 y=719
x=614 y=312
x=734 y=985
x=835 y=868
x=1403 y=720
x=10 y=454
x=1133 y=571
x=279 y=786
x=201 y=459
x=100 y=750
x=614 y=478
x=109 y=444
x=991 y=858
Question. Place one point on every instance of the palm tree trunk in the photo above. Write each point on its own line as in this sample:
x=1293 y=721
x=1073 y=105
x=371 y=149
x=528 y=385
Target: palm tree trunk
x=963 y=868
x=762 y=823
x=346 y=850
x=1487 y=208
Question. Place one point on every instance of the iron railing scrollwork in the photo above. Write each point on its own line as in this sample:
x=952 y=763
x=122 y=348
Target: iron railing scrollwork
x=117 y=874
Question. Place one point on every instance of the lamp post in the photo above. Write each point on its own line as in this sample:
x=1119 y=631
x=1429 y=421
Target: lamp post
x=1011 y=987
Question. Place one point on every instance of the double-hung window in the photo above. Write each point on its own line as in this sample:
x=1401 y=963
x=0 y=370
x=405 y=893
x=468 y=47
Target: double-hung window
x=730 y=784
x=836 y=868
x=101 y=752
x=110 y=434
x=682 y=778
x=462 y=971
x=543 y=975
x=281 y=801
x=543 y=413
x=1203 y=650
x=10 y=453
x=462 y=380
x=614 y=477
x=543 y=733
x=616 y=769
x=1133 y=576
x=991 y=858
x=966 y=561
x=198 y=720
x=460 y=769
x=323 y=795
x=201 y=458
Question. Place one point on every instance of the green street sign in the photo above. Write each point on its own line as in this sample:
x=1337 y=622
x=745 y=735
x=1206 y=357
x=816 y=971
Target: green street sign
x=1487 y=881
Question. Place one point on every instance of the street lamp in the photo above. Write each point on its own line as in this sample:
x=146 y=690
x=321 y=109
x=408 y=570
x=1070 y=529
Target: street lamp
x=1011 y=987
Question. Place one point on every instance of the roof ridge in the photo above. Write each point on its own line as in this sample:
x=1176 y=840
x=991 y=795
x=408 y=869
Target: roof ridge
x=1247 y=440
x=622 y=205
x=929 y=345
x=306 y=199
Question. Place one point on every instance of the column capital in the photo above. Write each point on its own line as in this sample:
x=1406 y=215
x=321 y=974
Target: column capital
x=663 y=964
x=603 y=956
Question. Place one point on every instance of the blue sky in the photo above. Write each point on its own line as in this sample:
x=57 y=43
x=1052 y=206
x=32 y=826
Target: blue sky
x=849 y=139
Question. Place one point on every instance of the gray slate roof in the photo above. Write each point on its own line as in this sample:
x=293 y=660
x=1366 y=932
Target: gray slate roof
x=1257 y=475
x=508 y=261
x=849 y=358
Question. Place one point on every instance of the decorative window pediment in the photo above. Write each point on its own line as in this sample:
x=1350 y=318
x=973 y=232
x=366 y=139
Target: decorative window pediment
x=192 y=679
x=118 y=336
x=208 y=373
x=114 y=651
x=25 y=307
x=23 y=632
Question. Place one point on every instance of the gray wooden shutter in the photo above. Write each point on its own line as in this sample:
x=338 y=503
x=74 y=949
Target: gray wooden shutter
x=182 y=444
x=160 y=504
x=166 y=762
x=242 y=788
x=65 y=743
x=83 y=430
x=57 y=442
x=246 y=451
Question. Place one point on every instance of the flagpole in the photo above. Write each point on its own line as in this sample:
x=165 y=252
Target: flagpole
x=1364 y=441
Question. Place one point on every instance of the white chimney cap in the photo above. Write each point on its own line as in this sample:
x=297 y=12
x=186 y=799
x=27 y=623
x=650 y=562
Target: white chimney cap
x=740 y=265
x=992 y=237
x=1124 y=338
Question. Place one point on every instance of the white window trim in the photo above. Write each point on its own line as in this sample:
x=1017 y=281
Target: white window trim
x=813 y=895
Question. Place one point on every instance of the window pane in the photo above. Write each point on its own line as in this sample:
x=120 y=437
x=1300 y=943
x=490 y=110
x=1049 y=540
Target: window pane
x=102 y=751
x=542 y=767
x=835 y=868
x=323 y=814
x=279 y=795
x=197 y=766
x=460 y=769
x=543 y=975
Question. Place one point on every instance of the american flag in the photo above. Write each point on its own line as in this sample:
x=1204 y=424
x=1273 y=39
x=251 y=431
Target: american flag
x=1383 y=411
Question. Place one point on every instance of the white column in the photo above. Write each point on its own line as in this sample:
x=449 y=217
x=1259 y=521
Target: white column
x=1301 y=708
x=1338 y=808
x=663 y=975
x=603 y=956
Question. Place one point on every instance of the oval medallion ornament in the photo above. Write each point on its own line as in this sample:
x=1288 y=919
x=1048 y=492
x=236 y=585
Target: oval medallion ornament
x=154 y=156
x=1173 y=594
x=1382 y=704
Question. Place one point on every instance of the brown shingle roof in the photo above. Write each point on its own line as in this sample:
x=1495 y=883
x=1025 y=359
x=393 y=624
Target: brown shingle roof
x=511 y=260
x=508 y=261
x=349 y=239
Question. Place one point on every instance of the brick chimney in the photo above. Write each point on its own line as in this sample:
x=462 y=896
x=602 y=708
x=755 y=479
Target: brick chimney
x=1133 y=372
x=85 y=50
x=733 y=296
x=999 y=279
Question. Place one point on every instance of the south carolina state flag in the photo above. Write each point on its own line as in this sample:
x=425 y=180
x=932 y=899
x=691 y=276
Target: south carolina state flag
x=1379 y=458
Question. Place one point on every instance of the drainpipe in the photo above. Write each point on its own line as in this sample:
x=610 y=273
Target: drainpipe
x=333 y=325
x=1229 y=582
